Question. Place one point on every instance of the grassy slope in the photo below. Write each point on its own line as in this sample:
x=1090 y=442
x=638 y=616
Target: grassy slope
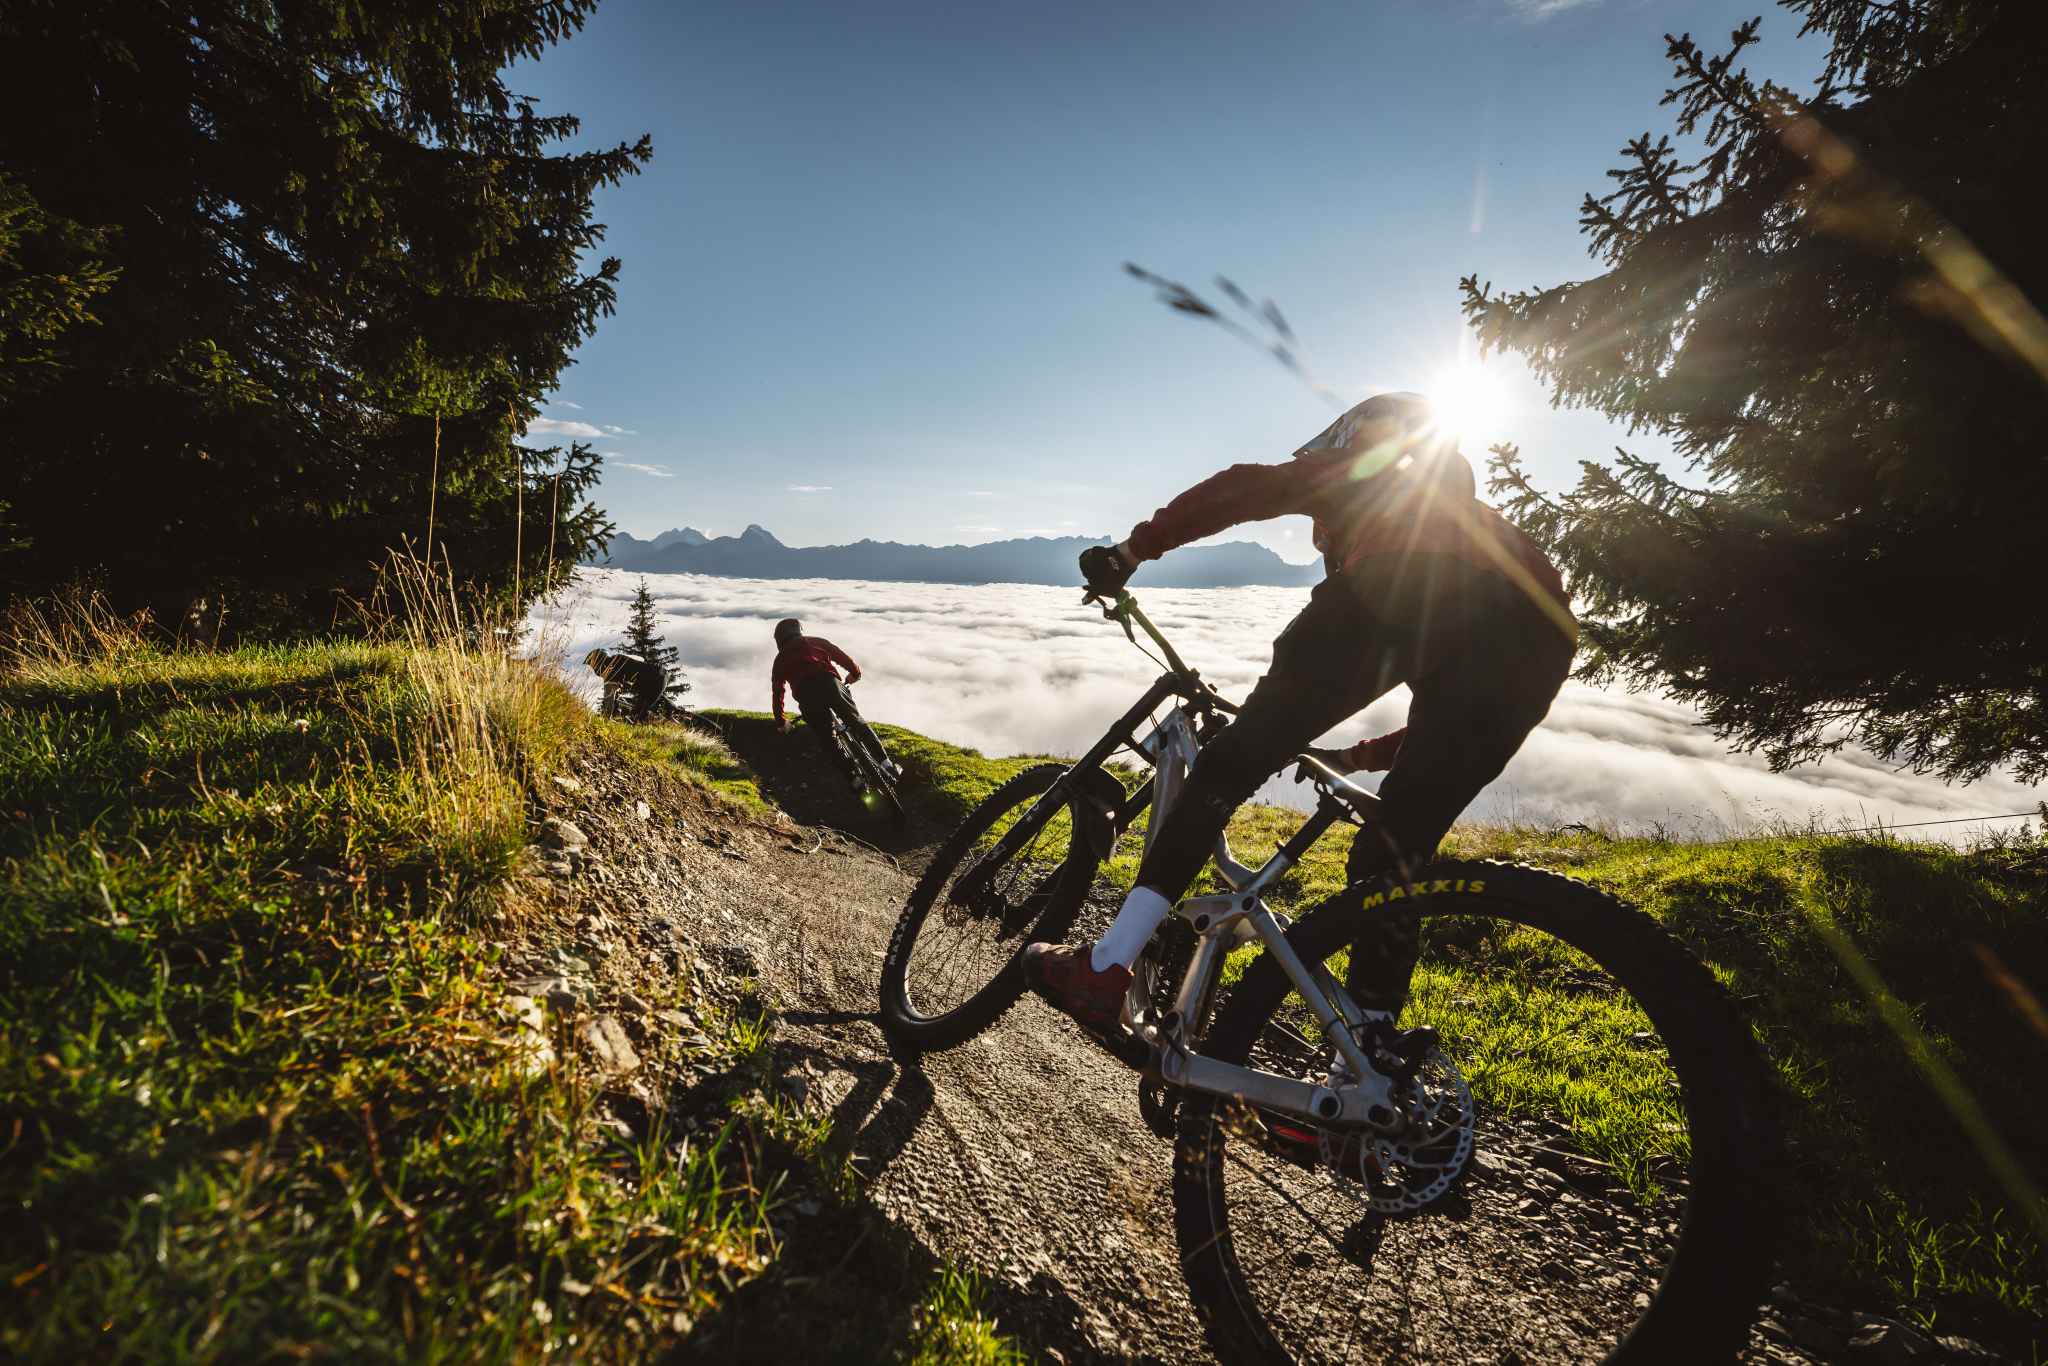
x=255 y=1094
x=1900 y=1208
x=254 y=1099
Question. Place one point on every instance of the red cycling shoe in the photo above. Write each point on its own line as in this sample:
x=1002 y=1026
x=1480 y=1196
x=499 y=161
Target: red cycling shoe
x=1068 y=981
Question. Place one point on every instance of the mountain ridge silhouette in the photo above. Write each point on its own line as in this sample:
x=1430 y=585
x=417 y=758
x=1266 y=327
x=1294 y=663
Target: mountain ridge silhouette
x=757 y=554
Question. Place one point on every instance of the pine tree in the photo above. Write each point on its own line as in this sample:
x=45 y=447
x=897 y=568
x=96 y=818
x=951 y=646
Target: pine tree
x=339 y=265
x=1827 y=306
x=643 y=640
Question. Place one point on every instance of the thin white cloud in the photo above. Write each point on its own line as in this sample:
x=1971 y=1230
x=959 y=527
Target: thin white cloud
x=620 y=431
x=565 y=403
x=810 y=488
x=554 y=426
x=981 y=493
x=1537 y=10
x=658 y=471
x=956 y=661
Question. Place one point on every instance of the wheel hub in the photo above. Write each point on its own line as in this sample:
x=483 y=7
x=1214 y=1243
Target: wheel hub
x=1422 y=1153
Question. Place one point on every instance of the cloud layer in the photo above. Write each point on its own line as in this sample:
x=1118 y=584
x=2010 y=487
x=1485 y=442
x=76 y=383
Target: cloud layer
x=1017 y=669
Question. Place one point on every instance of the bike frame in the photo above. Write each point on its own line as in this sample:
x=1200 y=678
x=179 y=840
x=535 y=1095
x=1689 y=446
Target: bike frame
x=1160 y=1044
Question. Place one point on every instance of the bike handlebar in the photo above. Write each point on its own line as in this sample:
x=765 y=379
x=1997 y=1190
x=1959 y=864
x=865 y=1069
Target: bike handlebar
x=1119 y=606
x=1309 y=769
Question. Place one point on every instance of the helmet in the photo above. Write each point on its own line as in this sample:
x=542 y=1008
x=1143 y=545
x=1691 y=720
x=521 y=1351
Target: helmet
x=1397 y=431
x=788 y=629
x=596 y=658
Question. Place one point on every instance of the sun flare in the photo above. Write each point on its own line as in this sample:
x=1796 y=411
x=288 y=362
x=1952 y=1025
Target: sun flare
x=1470 y=403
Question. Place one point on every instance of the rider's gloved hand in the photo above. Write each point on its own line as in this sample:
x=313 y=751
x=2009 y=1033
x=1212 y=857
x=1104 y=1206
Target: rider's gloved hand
x=1107 y=568
x=782 y=724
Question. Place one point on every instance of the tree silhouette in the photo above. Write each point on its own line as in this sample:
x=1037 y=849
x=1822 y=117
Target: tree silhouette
x=1828 y=306
x=336 y=265
x=644 y=640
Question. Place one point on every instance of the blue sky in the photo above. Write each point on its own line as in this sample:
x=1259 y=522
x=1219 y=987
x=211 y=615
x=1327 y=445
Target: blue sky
x=872 y=280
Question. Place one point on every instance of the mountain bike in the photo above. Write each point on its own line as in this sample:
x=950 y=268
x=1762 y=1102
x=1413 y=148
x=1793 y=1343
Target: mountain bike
x=875 y=773
x=1300 y=1169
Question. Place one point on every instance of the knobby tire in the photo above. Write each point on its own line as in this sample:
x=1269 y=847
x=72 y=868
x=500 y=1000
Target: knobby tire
x=928 y=1032
x=1718 y=1271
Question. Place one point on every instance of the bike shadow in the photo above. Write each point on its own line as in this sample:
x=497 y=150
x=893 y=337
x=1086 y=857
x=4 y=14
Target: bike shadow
x=793 y=772
x=853 y=1280
x=875 y=1105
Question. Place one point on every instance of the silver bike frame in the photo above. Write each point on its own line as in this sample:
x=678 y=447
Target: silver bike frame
x=1222 y=922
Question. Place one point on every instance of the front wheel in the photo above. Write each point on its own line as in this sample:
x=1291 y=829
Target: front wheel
x=1619 y=1208
x=869 y=766
x=953 y=963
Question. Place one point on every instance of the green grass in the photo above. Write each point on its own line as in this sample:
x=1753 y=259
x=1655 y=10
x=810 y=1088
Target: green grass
x=257 y=1098
x=702 y=758
x=951 y=1326
x=1894 y=1203
x=259 y=1093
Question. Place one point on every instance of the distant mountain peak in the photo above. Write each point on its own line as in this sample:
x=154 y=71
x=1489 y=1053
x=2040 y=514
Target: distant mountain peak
x=682 y=535
x=759 y=535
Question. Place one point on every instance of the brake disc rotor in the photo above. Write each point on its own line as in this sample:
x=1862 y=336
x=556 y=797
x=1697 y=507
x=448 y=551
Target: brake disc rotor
x=1408 y=1169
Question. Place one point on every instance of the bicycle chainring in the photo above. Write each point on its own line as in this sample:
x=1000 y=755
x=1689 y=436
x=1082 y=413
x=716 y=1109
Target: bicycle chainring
x=1412 y=1168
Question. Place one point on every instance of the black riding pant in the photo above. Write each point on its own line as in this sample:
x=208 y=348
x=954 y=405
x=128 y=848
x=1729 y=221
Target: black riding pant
x=821 y=696
x=1484 y=664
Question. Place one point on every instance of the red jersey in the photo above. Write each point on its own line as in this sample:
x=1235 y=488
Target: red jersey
x=805 y=656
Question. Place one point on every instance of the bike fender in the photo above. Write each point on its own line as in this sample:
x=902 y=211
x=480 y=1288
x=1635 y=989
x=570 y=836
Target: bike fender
x=1097 y=797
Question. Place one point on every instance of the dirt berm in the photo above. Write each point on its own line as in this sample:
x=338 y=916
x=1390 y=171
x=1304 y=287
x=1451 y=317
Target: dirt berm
x=1022 y=1154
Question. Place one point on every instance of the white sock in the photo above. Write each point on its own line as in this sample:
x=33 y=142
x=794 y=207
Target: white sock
x=1142 y=911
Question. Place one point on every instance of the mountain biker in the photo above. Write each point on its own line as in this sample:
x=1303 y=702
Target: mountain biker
x=632 y=686
x=1425 y=586
x=809 y=667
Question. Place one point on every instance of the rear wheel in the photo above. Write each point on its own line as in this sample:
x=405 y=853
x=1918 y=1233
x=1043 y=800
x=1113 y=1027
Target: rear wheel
x=1620 y=1117
x=953 y=964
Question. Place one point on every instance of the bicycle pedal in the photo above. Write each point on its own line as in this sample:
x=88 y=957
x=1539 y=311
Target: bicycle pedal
x=1127 y=1048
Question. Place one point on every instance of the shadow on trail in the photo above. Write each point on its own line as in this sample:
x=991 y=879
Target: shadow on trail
x=793 y=772
x=849 y=1281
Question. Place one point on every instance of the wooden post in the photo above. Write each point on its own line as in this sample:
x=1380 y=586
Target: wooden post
x=518 y=502
x=433 y=488
x=554 y=515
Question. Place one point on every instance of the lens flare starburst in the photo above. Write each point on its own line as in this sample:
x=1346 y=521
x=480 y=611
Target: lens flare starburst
x=1471 y=403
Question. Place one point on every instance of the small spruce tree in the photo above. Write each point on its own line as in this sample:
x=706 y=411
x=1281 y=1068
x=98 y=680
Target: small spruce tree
x=643 y=640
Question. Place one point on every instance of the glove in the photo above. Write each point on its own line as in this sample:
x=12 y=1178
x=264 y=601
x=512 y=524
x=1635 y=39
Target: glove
x=1105 y=570
x=782 y=724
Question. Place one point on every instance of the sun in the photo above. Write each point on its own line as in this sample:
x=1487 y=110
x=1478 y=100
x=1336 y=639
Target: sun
x=1470 y=403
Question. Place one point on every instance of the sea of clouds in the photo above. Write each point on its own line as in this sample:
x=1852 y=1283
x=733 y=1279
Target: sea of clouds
x=1022 y=669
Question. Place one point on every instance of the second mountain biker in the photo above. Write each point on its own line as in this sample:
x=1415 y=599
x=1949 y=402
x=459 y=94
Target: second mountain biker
x=1427 y=587
x=809 y=666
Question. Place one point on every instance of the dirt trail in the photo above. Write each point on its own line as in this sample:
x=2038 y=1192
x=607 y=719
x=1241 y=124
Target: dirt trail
x=1022 y=1153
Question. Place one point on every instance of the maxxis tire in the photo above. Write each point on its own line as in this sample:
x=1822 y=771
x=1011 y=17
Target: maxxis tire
x=985 y=1007
x=1721 y=1267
